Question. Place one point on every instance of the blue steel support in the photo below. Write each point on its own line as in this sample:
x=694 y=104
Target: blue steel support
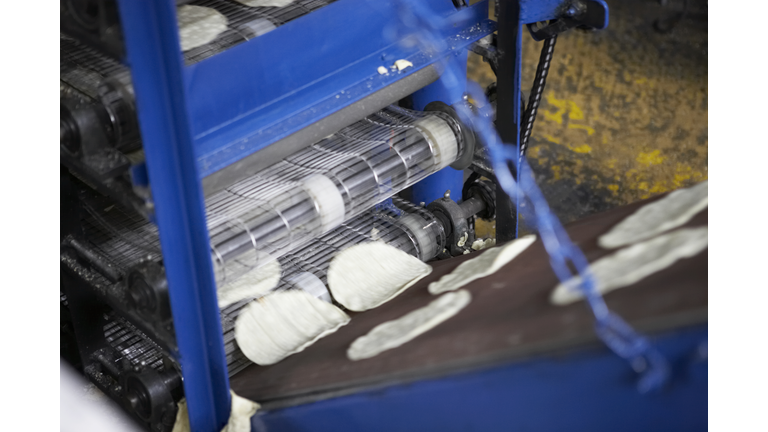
x=239 y=104
x=154 y=56
x=584 y=390
x=510 y=46
x=434 y=186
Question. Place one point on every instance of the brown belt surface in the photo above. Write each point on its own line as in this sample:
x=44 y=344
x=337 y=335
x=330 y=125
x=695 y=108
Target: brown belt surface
x=510 y=317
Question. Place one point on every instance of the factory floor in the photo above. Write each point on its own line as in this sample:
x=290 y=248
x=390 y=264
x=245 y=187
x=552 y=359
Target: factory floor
x=624 y=112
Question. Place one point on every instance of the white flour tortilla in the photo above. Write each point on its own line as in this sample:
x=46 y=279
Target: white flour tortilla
x=199 y=25
x=367 y=275
x=486 y=263
x=670 y=212
x=283 y=323
x=239 y=417
x=394 y=333
x=632 y=264
x=252 y=284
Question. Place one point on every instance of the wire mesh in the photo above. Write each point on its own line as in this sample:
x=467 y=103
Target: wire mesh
x=247 y=22
x=131 y=344
x=84 y=68
x=384 y=225
x=275 y=212
x=127 y=240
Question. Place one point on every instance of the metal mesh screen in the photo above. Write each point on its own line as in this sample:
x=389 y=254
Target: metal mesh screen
x=131 y=344
x=275 y=211
x=83 y=68
x=127 y=240
x=246 y=22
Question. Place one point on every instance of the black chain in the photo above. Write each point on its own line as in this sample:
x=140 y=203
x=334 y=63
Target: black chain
x=529 y=116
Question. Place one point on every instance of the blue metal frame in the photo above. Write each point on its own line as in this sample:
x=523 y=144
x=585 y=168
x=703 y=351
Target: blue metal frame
x=198 y=119
x=587 y=389
x=152 y=45
x=260 y=91
x=201 y=118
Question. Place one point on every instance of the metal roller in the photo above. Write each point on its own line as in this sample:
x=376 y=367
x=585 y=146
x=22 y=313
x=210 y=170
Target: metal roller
x=316 y=189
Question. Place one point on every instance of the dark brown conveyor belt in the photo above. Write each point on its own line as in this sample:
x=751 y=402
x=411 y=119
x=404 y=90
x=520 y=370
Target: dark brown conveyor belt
x=509 y=318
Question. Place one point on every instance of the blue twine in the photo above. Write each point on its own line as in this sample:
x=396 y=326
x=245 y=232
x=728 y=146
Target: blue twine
x=418 y=22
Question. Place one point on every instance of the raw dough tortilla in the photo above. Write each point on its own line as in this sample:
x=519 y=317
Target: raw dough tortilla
x=367 y=275
x=252 y=284
x=487 y=263
x=283 y=323
x=392 y=334
x=239 y=417
x=670 y=212
x=632 y=264
x=199 y=25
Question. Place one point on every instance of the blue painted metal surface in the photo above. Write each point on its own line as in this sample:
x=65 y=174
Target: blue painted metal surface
x=532 y=11
x=434 y=186
x=603 y=5
x=154 y=56
x=589 y=389
x=199 y=119
x=596 y=18
x=265 y=89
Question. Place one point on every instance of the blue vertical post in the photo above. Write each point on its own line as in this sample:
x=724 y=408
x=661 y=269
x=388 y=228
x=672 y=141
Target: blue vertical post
x=510 y=45
x=154 y=56
x=434 y=186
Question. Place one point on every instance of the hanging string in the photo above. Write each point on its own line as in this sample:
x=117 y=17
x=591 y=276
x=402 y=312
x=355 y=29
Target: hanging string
x=418 y=23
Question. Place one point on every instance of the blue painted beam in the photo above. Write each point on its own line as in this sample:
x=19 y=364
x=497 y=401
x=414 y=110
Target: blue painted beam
x=260 y=91
x=532 y=11
x=585 y=390
x=154 y=56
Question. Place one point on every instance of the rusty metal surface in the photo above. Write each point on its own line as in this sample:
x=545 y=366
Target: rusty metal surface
x=625 y=111
x=509 y=318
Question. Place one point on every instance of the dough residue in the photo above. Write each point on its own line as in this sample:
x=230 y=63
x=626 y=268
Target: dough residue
x=252 y=284
x=632 y=264
x=367 y=275
x=402 y=64
x=239 y=417
x=487 y=263
x=284 y=323
x=199 y=25
x=670 y=212
x=394 y=333
x=481 y=244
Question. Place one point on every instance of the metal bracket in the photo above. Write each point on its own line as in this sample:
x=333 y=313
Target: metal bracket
x=583 y=14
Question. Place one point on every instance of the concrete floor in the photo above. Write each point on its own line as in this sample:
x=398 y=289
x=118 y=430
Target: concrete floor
x=624 y=115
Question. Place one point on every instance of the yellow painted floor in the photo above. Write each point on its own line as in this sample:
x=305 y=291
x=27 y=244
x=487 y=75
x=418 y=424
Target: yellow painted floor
x=625 y=110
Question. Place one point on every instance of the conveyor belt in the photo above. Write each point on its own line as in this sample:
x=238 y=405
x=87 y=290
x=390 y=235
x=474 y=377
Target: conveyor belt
x=83 y=68
x=245 y=22
x=131 y=344
x=509 y=318
x=126 y=240
x=335 y=179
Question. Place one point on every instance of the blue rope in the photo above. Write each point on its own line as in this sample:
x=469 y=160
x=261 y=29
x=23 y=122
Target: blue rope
x=419 y=23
